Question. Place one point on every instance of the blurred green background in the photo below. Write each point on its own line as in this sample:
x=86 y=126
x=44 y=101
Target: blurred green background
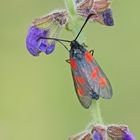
x=37 y=97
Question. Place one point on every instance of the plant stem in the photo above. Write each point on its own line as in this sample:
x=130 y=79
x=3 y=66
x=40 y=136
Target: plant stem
x=75 y=21
x=96 y=113
x=70 y=5
x=74 y=26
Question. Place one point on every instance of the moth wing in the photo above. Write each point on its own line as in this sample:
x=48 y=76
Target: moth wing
x=83 y=93
x=105 y=86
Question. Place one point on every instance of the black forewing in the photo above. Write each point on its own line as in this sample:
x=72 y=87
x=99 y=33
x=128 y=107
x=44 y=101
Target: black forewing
x=84 y=70
x=105 y=91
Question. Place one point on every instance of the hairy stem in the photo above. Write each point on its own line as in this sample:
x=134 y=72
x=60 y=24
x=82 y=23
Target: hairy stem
x=71 y=8
x=96 y=113
x=75 y=21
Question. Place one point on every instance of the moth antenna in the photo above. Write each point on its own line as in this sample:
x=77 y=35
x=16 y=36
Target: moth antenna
x=68 y=41
x=83 y=26
x=58 y=40
x=63 y=45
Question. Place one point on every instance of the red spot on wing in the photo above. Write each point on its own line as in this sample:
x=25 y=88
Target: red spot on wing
x=97 y=69
x=80 y=91
x=94 y=74
x=102 y=82
x=73 y=63
x=79 y=79
x=89 y=58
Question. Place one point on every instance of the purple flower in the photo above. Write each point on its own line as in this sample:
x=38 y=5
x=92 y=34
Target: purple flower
x=107 y=17
x=97 y=136
x=45 y=27
x=128 y=136
x=100 y=9
x=35 y=44
x=50 y=49
x=99 y=132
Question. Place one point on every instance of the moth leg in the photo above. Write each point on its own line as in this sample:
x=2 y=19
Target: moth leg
x=84 y=45
x=92 y=52
x=68 y=61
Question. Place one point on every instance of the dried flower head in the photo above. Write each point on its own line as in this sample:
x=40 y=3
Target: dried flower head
x=102 y=132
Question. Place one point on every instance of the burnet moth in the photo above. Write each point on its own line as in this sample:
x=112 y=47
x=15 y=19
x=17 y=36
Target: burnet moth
x=90 y=81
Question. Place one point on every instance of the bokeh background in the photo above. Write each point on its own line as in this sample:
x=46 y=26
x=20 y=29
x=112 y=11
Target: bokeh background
x=37 y=97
